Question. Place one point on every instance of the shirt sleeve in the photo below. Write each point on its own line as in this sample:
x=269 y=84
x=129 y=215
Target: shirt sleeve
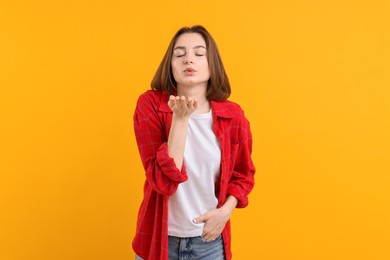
x=242 y=180
x=160 y=169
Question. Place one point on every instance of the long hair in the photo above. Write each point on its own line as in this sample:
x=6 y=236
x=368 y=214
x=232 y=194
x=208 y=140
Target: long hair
x=218 y=87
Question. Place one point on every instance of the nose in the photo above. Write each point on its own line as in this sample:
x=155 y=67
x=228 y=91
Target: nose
x=188 y=60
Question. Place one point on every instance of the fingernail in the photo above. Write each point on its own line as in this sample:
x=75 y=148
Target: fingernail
x=194 y=220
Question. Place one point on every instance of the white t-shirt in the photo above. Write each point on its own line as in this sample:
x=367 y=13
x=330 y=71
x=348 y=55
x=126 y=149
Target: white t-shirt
x=196 y=196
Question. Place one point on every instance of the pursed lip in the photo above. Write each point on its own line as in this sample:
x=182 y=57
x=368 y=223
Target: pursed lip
x=189 y=70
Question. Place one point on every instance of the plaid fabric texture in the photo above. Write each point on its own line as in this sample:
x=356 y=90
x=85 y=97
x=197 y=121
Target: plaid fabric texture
x=152 y=120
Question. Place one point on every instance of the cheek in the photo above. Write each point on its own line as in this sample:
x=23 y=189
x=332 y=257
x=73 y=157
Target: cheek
x=176 y=74
x=174 y=68
x=207 y=69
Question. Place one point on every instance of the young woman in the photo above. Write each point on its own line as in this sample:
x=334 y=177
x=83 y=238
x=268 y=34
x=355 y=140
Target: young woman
x=195 y=146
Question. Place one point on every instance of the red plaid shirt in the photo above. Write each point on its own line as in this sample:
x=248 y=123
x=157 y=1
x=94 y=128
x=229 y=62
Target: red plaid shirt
x=152 y=121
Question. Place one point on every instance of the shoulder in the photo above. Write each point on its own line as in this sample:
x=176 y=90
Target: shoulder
x=228 y=109
x=151 y=97
x=154 y=100
x=234 y=107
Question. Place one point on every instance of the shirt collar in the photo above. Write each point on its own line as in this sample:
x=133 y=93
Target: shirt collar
x=221 y=109
x=164 y=103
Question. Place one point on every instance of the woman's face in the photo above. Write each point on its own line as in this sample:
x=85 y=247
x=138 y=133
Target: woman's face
x=189 y=61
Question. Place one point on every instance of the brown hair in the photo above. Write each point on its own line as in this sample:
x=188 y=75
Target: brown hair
x=218 y=85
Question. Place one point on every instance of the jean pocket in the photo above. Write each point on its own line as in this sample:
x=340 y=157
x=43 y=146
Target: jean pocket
x=209 y=241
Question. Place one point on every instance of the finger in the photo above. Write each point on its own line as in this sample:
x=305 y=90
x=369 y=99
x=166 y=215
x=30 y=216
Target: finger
x=205 y=236
x=200 y=219
x=196 y=104
x=177 y=99
x=190 y=103
x=171 y=101
x=209 y=237
x=180 y=100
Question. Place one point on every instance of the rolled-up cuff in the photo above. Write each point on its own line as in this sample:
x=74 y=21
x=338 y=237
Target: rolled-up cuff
x=239 y=195
x=168 y=165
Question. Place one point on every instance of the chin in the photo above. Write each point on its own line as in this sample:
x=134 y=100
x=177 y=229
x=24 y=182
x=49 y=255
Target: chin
x=188 y=82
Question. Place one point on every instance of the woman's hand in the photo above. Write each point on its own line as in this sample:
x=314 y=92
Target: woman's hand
x=182 y=107
x=215 y=220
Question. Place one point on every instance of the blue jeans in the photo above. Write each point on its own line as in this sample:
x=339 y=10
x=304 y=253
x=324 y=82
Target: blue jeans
x=193 y=248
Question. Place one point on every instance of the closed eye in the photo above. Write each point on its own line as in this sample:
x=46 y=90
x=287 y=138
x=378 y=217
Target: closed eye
x=179 y=53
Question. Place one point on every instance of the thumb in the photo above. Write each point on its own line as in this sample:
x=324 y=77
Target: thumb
x=200 y=219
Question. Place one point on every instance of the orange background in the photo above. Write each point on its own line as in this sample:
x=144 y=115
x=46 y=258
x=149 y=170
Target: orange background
x=312 y=76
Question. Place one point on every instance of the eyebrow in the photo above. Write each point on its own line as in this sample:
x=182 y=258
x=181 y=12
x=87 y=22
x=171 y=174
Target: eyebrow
x=183 y=48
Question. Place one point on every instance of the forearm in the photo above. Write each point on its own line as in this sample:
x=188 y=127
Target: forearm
x=177 y=139
x=229 y=205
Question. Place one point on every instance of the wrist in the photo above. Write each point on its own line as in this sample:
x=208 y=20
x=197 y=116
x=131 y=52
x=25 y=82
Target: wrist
x=229 y=205
x=180 y=119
